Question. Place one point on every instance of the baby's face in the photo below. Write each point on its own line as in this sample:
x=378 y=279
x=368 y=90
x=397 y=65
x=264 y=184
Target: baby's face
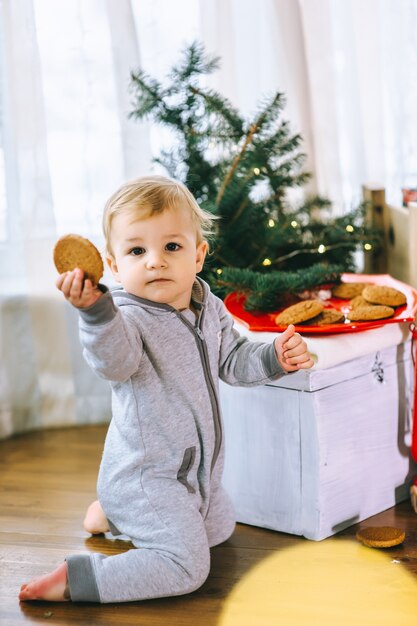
x=157 y=258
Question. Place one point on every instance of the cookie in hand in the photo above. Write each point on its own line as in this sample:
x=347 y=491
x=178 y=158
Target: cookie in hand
x=73 y=251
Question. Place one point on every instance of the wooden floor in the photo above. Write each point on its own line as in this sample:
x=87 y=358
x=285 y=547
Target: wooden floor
x=47 y=479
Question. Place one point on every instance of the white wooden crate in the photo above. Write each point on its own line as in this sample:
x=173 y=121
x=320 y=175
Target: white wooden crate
x=320 y=450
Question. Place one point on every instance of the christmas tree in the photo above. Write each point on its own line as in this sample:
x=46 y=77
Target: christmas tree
x=241 y=171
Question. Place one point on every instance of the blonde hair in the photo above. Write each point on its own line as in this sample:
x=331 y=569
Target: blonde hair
x=150 y=195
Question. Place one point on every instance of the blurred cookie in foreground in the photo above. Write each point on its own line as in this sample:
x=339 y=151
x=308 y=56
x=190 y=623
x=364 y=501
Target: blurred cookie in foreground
x=73 y=251
x=300 y=312
x=347 y=291
x=368 y=313
x=380 y=536
x=328 y=316
x=378 y=294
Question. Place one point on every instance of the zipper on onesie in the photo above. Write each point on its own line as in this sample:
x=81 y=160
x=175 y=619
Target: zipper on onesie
x=202 y=348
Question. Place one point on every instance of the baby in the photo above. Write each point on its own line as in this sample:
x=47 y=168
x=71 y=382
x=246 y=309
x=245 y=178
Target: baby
x=162 y=340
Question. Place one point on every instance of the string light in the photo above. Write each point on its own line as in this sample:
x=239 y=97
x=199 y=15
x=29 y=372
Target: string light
x=271 y=223
x=350 y=228
x=266 y=262
x=320 y=249
x=256 y=171
x=219 y=271
x=294 y=224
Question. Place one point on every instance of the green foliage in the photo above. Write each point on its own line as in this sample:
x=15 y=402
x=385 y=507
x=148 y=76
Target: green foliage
x=241 y=170
x=269 y=292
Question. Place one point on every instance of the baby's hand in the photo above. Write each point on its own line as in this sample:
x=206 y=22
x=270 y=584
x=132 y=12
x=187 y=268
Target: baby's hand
x=81 y=293
x=291 y=351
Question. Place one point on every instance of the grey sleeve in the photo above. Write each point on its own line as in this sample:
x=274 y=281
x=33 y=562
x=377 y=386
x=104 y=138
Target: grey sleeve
x=111 y=339
x=102 y=311
x=243 y=362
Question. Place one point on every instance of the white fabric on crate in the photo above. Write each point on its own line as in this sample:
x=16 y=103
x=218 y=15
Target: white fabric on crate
x=330 y=350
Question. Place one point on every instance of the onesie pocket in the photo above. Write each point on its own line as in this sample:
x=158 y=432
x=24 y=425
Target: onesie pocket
x=186 y=465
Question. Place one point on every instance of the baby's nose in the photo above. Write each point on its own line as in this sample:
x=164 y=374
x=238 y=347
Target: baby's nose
x=156 y=260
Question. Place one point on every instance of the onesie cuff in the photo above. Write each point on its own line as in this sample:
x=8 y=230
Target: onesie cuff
x=102 y=311
x=270 y=362
x=82 y=579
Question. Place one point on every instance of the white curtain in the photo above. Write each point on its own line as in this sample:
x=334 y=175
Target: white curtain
x=348 y=70
x=66 y=143
x=362 y=68
x=261 y=46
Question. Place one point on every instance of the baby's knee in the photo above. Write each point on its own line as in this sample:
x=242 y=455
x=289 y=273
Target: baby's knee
x=197 y=569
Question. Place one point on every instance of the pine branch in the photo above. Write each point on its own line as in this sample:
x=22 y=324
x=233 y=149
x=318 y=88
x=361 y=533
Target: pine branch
x=195 y=63
x=223 y=108
x=248 y=139
x=269 y=292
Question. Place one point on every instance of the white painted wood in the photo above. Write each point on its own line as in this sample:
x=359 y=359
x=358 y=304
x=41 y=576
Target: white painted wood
x=314 y=460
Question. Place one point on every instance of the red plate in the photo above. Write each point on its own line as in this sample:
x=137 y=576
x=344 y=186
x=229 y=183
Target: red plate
x=266 y=321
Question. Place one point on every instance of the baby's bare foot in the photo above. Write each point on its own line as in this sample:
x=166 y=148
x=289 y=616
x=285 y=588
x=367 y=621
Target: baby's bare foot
x=51 y=587
x=95 y=521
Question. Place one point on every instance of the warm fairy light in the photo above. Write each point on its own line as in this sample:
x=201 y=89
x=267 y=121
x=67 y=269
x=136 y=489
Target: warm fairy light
x=256 y=171
x=350 y=228
x=267 y=262
x=294 y=224
x=271 y=223
x=368 y=246
x=219 y=271
x=321 y=249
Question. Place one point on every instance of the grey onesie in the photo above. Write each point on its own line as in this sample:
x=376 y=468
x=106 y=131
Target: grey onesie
x=160 y=477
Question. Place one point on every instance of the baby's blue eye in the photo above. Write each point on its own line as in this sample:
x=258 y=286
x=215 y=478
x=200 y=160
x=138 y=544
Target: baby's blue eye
x=137 y=251
x=172 y=246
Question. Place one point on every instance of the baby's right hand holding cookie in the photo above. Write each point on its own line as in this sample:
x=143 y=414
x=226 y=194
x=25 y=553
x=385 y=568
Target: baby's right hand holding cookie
x=79 y=292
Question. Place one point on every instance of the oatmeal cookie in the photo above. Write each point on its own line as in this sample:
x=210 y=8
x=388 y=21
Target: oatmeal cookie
x=347 y=291
x=380 y=536
x=370 y=312
x=300 y=312
x=358 y=301
x=378 y=294
x=73 y=251
x=328 y=316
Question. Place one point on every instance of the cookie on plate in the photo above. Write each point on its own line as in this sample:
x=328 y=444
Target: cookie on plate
x=378 y=294
x=380 y=536
x=371 y=312
x=300 y=312
x=347 y=291
x=358 y=301
x=73 y=251
x=328 y=316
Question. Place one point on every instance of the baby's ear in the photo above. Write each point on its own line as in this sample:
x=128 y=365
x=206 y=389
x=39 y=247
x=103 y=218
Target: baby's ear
x=111 y=262
x=201 y=252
